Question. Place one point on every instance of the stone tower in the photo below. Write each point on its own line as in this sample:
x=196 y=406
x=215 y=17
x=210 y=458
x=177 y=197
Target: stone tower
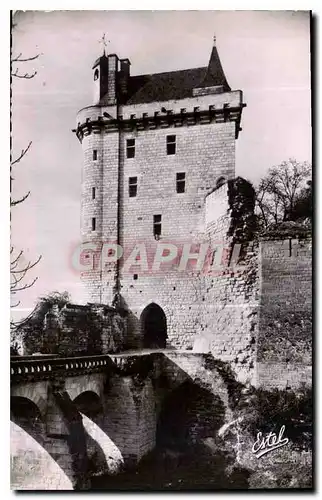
x=155 y=146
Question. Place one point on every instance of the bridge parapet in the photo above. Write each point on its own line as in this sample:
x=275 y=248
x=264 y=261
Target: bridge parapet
x=26 y=369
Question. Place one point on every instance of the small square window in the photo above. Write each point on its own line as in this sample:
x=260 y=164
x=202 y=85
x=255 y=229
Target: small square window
x=157 y=226
x=94 y=154
x=93 y=193
x=171 y=144
x=181 y=182
x=135 y=276
x=93 y=224
x=133 y=186
x=130 y=148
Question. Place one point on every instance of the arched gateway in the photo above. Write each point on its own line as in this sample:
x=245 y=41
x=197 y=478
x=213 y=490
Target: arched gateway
x=154 y=327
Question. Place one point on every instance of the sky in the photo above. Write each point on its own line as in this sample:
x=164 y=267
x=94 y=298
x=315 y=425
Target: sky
x=266 y=54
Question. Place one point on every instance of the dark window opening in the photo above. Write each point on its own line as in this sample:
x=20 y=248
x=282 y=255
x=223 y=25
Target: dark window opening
x=130 y=148
x=135 y=276
x=93 y=193
x=157 y=226
x=96 y=74
x=181 y=182
x=93 y=223
x=94 y=154
x=133 y=186
x=171 y=144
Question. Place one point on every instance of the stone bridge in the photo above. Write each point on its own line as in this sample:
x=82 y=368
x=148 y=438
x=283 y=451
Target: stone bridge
x=73 y=418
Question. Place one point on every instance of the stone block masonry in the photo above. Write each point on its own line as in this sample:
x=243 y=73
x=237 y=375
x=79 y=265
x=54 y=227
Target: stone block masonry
x=285 y=322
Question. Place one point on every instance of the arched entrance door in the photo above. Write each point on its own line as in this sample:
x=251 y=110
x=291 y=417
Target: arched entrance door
x=154 y=327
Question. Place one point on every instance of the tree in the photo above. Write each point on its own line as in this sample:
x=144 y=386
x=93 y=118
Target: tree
x=18 y=267
x=303 y=206
x=279 y=193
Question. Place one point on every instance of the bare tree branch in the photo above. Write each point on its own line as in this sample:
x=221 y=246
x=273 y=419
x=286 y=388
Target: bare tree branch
x=13 y=203
x=19 y=58
x=26 y=76
x=22 y=154
x=28 y=267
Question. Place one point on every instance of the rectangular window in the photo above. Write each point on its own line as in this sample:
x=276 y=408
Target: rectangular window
x=157 y=225
x=181 y=182
x=171 y=144
x=93 y=223
x=93 y=193
x=130 y=148
x=133 y=186
x=94 y=154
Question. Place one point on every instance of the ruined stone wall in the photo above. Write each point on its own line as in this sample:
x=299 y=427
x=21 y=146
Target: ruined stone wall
x=76 y=330
x=285 y=326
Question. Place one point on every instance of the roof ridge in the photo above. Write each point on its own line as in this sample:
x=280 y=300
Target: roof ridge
x=167 y=72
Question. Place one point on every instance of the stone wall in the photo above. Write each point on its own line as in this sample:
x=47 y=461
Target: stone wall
x=285 y=325
x=71 y=330
x=213 y=309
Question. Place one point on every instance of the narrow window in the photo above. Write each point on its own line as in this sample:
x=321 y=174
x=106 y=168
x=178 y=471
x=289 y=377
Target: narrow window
x=157 y=226
x=96 y=74
x=171 y=144
x=181 y=182
x=133 y=186
x=94 y=154
x=130 y=148
x=93 y=223
x=93 y=193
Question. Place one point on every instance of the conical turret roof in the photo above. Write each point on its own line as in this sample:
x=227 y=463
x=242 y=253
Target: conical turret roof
x=215 y=75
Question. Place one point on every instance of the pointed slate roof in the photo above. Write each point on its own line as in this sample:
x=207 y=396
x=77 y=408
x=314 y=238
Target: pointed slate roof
x=215 y=74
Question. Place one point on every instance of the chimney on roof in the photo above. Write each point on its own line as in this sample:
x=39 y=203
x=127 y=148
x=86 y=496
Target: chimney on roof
x=124 y=77
x=111 y=78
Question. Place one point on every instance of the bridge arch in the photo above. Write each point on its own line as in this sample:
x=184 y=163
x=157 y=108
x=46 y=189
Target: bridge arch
x=34 y=463
x=25 y=413
x=85 y=383
x=89 y=403
x=154 y=326
x=35 y=392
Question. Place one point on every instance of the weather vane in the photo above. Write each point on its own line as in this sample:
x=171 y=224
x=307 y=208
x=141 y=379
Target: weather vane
x=104 y=42
x=214 y=38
